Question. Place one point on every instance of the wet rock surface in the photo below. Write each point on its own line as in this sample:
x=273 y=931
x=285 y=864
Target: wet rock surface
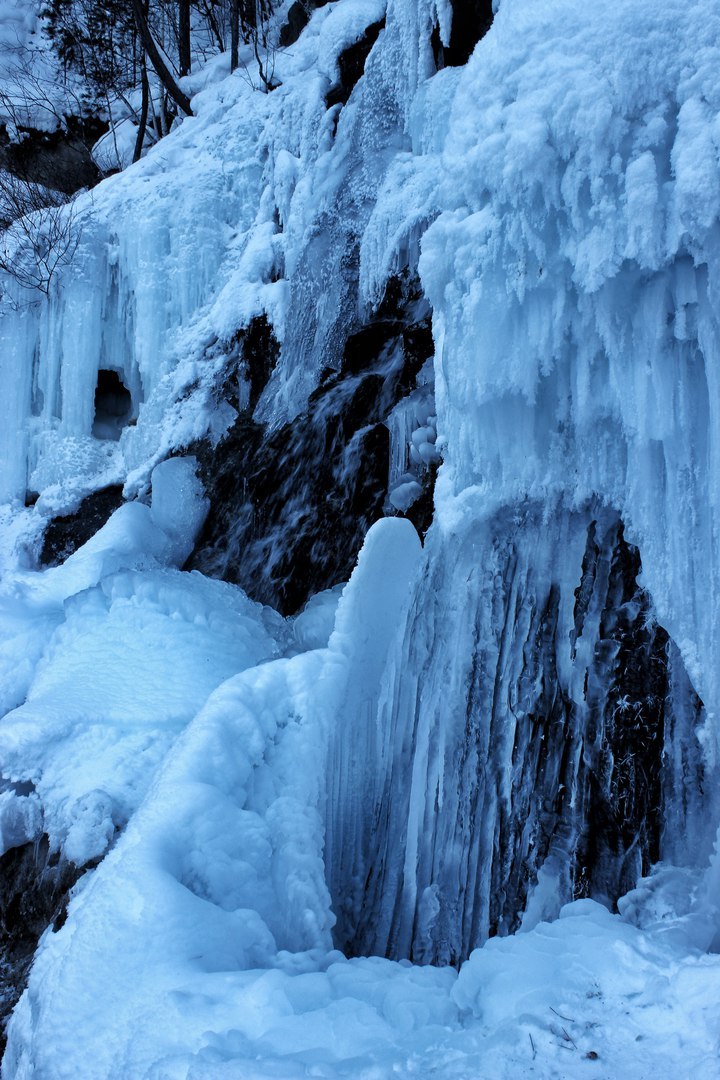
x=351 y=63
x=543 y=762
x=471 y=20
x=34 y=888
x=290 y=508
x=297 y=19
x=60 y=160
x=627 y=692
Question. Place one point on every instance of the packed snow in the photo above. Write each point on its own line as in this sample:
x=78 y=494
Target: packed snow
x=222 y=773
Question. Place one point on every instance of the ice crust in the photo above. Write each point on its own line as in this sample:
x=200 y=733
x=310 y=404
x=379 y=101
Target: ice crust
x=574 y=277
x=562 y=195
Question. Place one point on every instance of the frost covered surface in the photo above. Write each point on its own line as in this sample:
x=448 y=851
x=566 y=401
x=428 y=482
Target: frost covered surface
x=126 y=650
x=241 y=241
x=585 y=996
x=562 y=192
x=574 y=278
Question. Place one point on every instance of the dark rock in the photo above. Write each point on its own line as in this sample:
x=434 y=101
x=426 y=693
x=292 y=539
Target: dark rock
x=59 y=160
x=259 y=350
x=290 y=508
x=586 y=760
x=624 y=759
x=363 y=348
x=422 y=510
x=297 y=19
x=34 y=888
x=471 y=20
x=64 y=535
x=351 y=63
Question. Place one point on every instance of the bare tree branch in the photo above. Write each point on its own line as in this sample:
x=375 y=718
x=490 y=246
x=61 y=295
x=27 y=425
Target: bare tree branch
x=163 y=72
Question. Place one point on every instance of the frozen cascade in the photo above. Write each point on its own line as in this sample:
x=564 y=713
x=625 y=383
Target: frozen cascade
x=534 y=717
x=522 y=714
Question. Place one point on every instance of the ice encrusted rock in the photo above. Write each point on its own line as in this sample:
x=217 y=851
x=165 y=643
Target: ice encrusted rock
x=21 y=819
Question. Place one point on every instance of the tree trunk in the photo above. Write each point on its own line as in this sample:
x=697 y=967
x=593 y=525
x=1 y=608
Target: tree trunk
x=143 y=113
x=184 y=36
x=234 y=34
x=157 y=61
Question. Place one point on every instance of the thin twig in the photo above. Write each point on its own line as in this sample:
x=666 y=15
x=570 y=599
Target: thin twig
x=568 y=1038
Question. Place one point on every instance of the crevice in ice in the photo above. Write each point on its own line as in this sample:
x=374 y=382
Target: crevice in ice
x=471 y=20
x=113 y=405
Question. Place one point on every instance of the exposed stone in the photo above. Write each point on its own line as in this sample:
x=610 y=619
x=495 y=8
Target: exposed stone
x=471 y=20
x=60 y=159
x=297 y=19
x=551 y=756
x=351 y=64
x=64 y=535
x=290 y=508
x=34 y=888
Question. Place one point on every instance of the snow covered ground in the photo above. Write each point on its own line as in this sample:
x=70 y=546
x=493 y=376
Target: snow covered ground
x=563 y=192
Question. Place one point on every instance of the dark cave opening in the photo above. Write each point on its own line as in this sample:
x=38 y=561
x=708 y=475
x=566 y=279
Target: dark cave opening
x=113 y=406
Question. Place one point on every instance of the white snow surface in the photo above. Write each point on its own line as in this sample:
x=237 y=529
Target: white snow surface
x=563 y=190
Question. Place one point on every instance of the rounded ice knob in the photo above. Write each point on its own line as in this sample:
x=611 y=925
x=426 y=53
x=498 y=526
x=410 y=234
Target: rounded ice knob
x=179 y=506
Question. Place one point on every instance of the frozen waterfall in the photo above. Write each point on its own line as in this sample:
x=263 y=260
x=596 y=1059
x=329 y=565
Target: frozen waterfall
x=475 y=302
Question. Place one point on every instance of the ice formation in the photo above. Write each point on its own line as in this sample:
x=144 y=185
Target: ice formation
x=293 y=831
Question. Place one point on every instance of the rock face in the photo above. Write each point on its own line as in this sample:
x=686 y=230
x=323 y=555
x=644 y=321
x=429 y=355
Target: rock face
x=297 y=19
x=351 y=64
x=33 y=895
x=627 y=691
x=59 y=160
x=471 y=20
x=290 y=508
x=66 y=534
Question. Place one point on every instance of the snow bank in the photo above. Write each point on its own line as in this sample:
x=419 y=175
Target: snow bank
x=212 y=912
x=222 y=865
x=586 y=995
x=131 y=662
